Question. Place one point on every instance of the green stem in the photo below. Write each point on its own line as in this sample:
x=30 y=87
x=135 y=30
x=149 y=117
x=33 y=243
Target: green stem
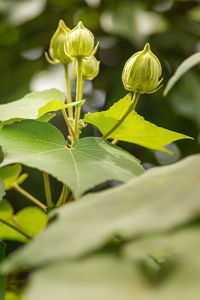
x=68 y=89
x=29 y=196
x=79 y=95
x=69 y=125
x=15 y=228
x=63 y=195
x=47 y=188
x=129 y=110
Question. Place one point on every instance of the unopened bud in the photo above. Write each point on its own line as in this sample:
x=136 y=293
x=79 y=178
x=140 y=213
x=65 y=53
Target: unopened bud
x=57 y=46
x=80 y=42
x=141 y=72
x=90 y=67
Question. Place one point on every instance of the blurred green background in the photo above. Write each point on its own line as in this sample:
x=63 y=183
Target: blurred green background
x=122 y=27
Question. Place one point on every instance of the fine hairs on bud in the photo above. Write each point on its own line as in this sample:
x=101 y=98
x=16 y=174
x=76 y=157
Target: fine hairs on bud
x=141 y=73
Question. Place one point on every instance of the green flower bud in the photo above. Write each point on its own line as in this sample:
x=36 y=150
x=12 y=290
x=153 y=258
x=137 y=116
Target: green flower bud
x=90 y=67
x=57 y=46
x=80 y=42
x=141 y=72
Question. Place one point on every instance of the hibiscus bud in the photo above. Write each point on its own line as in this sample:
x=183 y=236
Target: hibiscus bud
x=90 y=67
x=80 y=42
x=57 y=46
x=141 y=72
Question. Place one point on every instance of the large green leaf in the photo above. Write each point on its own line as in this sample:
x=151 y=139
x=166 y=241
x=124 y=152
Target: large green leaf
x=189 y=63
x=112 y=277
x=12 y=296
x=30 y=220
x=134 y=128
x=11 y=175
x=2 y=278
x=33 y=105
x=158 y=200
x=91 y=161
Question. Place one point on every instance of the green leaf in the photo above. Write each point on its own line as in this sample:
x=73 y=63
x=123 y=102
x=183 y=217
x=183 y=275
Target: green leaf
x=189 y=63
x=12 y=296
x=126 y=277
x=6 y=210
x=179 y=251
x=34 y=106
x=2 y=278
x=103 y=277
x=11 y=175
x=30 y=220
x=90 y=162
x=160 y=199
x=134 y=128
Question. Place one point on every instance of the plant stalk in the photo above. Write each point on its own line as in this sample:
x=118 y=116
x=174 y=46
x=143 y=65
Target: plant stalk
x=129 y=110
x=69 y=125
x=63 y=196
x=29 y=196
x=47 y=188
x=79 y=95
x=68 y=89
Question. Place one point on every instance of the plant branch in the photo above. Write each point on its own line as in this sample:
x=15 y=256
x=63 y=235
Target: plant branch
x=68 y=89
x=129 y=110
x=67 y=121
x=47 y=188
x=63 y=196
x=29 y=196
x=15 y=228
x=79 y=95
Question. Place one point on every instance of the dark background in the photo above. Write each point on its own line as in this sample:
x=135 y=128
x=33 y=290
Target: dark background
x=122 y=27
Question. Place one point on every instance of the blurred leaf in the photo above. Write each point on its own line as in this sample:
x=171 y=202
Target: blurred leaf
x=183 y=249
x=11 y=175
x=134 y=128
x=88 y=163
x=2 y=278
x=100 y=277
x=189 y=63
x=30 y=220
x=12 y=296
x=185 y=98
x=160 y=199
x=112 y=277
x=6 y=209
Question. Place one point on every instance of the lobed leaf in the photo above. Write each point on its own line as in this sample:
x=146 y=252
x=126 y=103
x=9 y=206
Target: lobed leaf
x=134 y=129
x=90 y=162
x=160 y=199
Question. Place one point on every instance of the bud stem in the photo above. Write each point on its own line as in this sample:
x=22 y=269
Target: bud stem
x=129 y=110
x=68 y=89
x=79 y=94
x=29 y=196
x=47 y=188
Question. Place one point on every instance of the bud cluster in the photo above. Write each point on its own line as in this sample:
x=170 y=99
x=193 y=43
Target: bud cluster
x=67 y=46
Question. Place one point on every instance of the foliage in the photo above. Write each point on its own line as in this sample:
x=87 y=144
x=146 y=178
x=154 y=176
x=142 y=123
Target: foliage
x=140 y=238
